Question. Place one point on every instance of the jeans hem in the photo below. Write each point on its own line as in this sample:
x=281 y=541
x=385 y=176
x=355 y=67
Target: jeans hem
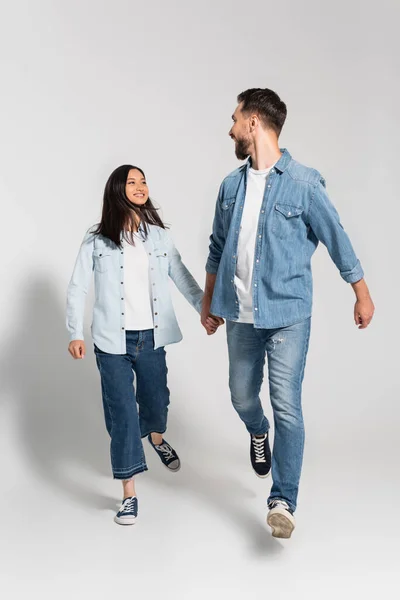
x=290 y=504
x=128 y=473
x=145 y=435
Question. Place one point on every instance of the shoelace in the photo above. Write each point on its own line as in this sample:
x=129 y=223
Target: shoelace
x=166 y=450
x=128 y=505
x=259 y=449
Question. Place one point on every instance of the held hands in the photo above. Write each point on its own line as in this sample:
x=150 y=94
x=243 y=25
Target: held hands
x=209 y=321
x=77 y=349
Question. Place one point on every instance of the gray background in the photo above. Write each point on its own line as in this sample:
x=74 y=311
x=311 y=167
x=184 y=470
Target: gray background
x=89 y=85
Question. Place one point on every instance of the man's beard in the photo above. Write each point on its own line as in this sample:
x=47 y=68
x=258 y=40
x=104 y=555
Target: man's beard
x=242 y=149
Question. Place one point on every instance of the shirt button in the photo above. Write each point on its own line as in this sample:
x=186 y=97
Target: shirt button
x=257 y=260
x=259 y=236
x=263 y=211
x=121 y=298
x=149 y=253
x=155 y=299
x=269 y=185
x=121 y=252
x=255 y=308
x=165 y=254
x=156 y=314
x=234 y=256
x=122 y=282
x=156 y=326
x=122 y=328
x=122 y=267
x=289 y=214
x=122 y=314
x=255 y=285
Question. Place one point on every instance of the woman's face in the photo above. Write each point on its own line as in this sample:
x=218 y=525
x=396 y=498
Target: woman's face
x=136 y=188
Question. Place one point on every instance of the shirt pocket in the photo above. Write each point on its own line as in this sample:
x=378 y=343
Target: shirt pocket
x=101 y=259
x=162 y=257
x=287 y=220
x=228 y=203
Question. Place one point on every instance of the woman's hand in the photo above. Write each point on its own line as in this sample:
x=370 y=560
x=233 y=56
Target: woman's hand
x=77 y=349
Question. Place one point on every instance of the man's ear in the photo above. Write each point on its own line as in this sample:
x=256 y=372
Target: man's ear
x=253 y=122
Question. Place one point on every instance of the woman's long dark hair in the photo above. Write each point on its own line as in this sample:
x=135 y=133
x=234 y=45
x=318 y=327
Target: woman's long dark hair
x=119 y=213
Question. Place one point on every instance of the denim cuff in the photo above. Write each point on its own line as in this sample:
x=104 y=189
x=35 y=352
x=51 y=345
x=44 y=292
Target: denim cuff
x=354 y=275
x=212 y=266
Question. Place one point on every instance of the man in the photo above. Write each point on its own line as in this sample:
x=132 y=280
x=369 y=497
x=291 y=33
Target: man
x=270 y=215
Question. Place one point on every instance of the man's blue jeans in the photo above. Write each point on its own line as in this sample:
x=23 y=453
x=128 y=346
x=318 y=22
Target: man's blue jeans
x=132 y=413
x=286 y=350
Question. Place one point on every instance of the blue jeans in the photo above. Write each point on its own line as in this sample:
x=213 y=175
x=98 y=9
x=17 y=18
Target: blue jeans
x=286 y=349
x=132 y=413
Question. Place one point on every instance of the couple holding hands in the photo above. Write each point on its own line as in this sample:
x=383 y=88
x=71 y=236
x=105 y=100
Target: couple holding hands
x=270 y=215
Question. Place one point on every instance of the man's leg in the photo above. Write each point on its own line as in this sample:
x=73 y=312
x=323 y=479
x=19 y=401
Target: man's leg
x=247 y=348
x=287 y=350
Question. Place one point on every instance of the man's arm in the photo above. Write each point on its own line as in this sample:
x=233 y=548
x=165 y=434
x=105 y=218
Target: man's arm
x=217 y=243
x=325 y=222
x=208 y=294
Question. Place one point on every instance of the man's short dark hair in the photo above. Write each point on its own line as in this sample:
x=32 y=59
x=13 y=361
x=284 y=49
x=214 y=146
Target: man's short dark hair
x=267 y=105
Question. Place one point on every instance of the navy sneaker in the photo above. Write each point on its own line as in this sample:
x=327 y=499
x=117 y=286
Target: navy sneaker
x=128 y=511
x=167 y=455
x=280 y=519
x=260 y=455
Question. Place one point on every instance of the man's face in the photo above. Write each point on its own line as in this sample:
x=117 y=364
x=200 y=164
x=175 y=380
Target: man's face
x=240 y=133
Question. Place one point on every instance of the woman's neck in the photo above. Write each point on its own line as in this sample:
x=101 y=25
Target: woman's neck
x=135 y=226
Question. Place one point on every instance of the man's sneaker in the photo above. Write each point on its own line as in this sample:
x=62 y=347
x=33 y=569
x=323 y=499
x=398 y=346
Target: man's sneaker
x=260 y=455
x=280 y=519
x=167 y=454
x=128 y=511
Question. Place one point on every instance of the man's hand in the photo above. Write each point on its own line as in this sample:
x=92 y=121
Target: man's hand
x=209 y=321
x=363 y=312
x=364 y=307
x=77 y=349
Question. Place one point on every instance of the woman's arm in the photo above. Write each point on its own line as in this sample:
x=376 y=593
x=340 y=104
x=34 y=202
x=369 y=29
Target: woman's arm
x=181 y=276
x=78 y=288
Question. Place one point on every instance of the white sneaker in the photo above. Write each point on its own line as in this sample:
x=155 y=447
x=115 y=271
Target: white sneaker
x=280 y=519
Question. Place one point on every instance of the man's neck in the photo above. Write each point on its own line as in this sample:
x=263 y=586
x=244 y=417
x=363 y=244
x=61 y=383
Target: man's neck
x=265 y=154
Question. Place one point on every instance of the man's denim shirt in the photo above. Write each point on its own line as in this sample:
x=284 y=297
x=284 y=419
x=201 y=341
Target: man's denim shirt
x=99 y=255
x=295 y=215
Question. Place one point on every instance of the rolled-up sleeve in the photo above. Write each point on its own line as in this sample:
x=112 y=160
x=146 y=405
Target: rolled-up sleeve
x=217 y=238
x=324 y=221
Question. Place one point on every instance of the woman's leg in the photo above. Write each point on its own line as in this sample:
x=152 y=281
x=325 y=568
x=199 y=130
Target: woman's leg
x=152 y=393
x=127 y=455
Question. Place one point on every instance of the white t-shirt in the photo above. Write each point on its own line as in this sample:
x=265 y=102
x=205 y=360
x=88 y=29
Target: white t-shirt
x=255 y=188
x=138 y=313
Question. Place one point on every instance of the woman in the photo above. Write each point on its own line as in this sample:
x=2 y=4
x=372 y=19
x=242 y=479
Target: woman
x=132 y=257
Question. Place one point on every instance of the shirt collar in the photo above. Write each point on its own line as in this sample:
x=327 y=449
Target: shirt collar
x=282 y=163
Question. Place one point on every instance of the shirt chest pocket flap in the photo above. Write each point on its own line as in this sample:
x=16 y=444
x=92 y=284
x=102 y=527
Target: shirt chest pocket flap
x=101 y=259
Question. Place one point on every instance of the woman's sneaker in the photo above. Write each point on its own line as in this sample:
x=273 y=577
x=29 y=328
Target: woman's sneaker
x=167 y=455
x=128 y=511
x=260 y=455
x=280 y=519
